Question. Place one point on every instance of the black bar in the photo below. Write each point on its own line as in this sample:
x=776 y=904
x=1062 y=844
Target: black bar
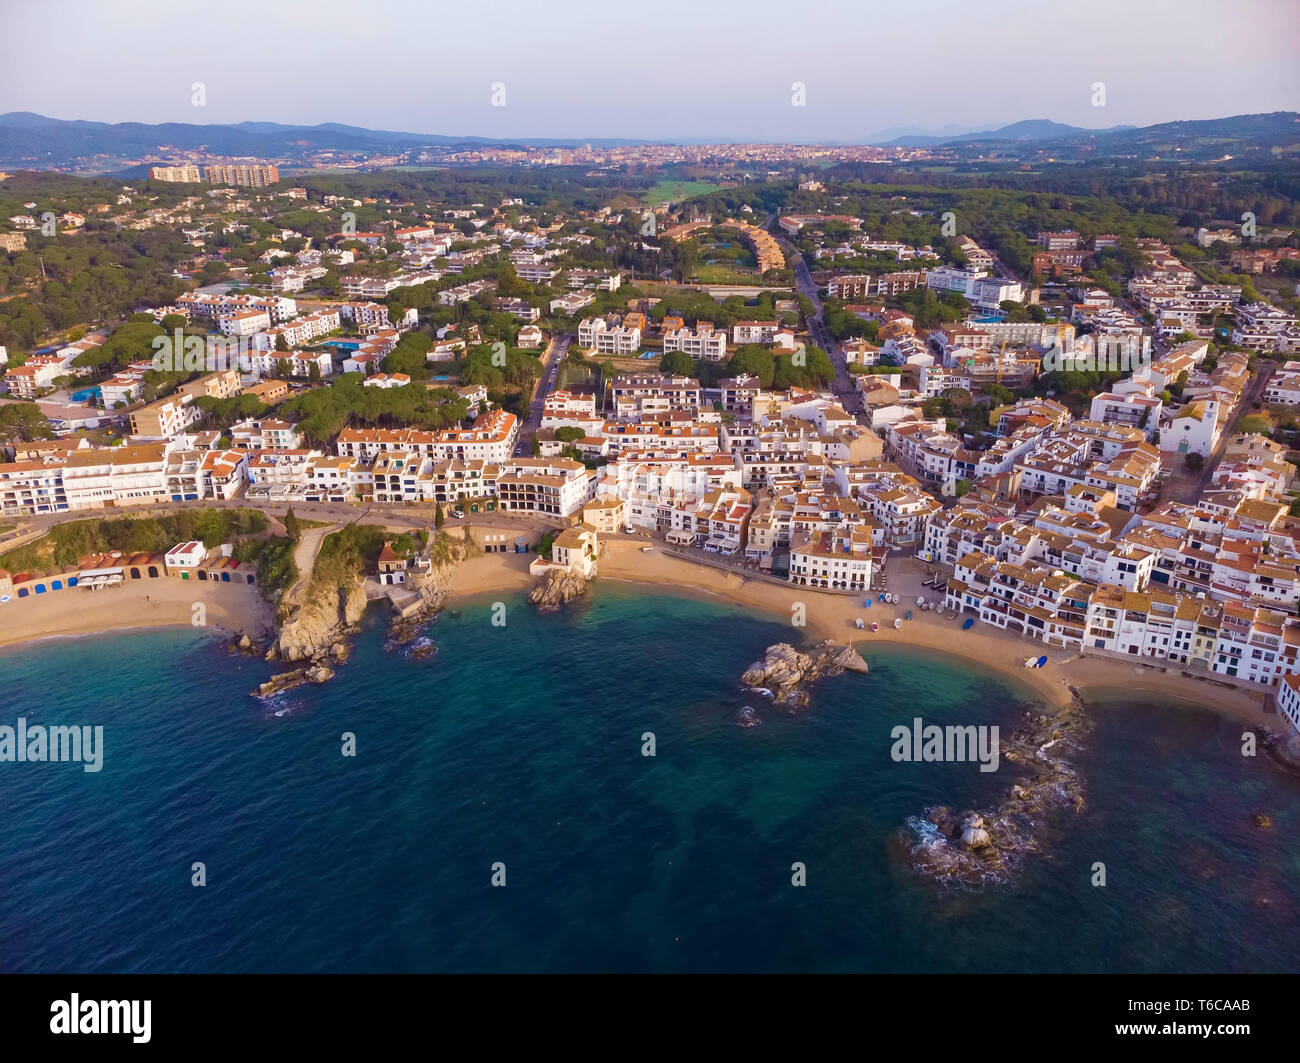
x=337 y=1012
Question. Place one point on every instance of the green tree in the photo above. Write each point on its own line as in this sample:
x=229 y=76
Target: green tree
x=1255 y=424
x=291 y=525
x=23 y=422
x=678 y=363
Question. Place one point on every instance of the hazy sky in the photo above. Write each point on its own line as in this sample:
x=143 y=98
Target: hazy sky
x=670 y=69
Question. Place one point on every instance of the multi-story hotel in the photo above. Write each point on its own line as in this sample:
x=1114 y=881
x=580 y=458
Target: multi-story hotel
x=491 y=438
x=243 y=174
x=187 y=173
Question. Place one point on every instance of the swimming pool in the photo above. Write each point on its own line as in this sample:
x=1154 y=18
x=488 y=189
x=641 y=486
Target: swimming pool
x=85 y=395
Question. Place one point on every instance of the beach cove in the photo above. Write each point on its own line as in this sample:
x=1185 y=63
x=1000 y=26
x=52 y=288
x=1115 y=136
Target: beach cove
x=229 y=609
x=522 y=744
x=834 y=616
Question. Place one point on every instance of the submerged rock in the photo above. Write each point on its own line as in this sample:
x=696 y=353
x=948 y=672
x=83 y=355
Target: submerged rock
x=784 y=670
x=421 y=649
x=748 y=717
x=1263 y=821
x=988 y=845
x=318 y=671
x=242 y=642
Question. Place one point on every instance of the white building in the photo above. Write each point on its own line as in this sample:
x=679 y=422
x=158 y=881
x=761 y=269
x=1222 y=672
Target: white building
x=703 y=341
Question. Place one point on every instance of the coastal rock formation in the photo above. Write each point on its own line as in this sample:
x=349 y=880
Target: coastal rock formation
x=408 y=627
x=784 y=670
x=422 y=649
x=242 y=642
x=555 y=589
x=328 y=614
x=975 y=847
x=1284 y=751
x=316 y=672
x=432 y=586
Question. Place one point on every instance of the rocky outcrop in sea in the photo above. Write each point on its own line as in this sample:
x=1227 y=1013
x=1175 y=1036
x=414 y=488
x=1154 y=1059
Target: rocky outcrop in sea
x=555 y=589
x=327 y=615
x=318 y=621
x=975 y=847
x=784 y=671
x=320 y=670
x=407 y=628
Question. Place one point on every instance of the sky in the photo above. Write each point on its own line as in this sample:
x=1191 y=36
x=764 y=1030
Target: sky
x=667 y=70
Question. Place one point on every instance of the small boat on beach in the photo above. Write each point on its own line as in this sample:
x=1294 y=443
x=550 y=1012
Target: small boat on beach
x=970 y=623
x=861 y=624
x=875 y=626
x=897 y=623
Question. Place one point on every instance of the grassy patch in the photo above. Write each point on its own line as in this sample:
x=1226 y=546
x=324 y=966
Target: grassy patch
x=674 y=191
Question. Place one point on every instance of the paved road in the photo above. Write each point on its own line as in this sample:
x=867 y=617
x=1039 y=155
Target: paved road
x=304 y=556
x=395 y=517
x=1193 y=490
x=552 y=359
x=844 y=387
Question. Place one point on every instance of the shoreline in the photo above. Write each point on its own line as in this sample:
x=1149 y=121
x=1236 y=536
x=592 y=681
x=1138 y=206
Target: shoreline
x=232 y=608
x=832 y=616
x=227 y=609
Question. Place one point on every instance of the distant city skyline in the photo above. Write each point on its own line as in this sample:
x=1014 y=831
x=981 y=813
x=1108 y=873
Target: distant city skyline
x=579 y=70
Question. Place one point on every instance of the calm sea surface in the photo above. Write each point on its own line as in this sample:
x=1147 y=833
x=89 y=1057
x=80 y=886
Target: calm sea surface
x=522 y=745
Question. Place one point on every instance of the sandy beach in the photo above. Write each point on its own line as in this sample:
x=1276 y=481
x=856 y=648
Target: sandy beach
x=230 y=608
x=169 y=603
x=834 y=616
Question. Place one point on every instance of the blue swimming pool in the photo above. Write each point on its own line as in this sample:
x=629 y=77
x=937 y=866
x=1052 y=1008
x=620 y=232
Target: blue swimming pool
x=85 y=395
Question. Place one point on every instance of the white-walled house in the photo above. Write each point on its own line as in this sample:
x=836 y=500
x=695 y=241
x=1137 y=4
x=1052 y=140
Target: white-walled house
x=1193 y=429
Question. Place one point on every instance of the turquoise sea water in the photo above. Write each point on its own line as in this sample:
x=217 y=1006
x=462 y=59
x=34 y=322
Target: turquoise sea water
x=522 y=744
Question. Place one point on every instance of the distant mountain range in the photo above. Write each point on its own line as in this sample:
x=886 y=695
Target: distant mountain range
x=33 y=141
x=1030 y=129
x=1192 y=141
